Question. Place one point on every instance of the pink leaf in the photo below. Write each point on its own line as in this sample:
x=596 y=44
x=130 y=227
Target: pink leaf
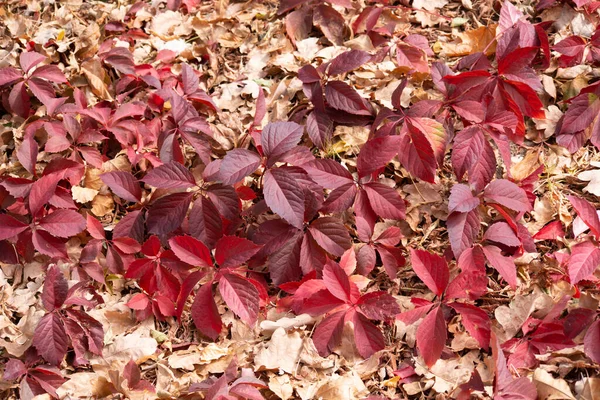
x=123 y=184
x=10 y=227
x=337 y=282
x=237 y=164
x=205 y=313
x=367 y=336
x=431 y=336
x=284 y=195
x=170 y=176
x=463 y=228
x=431 y=269
x=191 y=251
x=280 y=137
x=504 y=265
x=341 y=96
x=55 y=289
x=476 y=321
x=51 y=73
x=30 y=59
x=95 y=228
x=9 y=75
x=233 y=251
x=376 y=153
x=585 y=258
x=241 y=297
x=591 y=342
x=385 y=201
x=63 y=223
x=501 y=232
x=348 y=61
x=50 y=339
x=331 y=234
x=462 y=199
x=167 y=213
x=587 y=213
x=507 y=194
x=328 y=334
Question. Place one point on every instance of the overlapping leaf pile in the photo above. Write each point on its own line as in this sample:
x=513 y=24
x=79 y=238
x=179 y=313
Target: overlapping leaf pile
x=299 y=200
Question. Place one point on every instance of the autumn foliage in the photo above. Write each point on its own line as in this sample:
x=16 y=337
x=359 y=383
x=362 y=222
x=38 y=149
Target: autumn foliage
x=409 y=229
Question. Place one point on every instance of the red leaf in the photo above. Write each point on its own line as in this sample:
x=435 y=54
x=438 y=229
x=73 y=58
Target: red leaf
x=507 y=194
x=191 y=251
x=63 y=223
x=205 y=222
x=237 y=164
x=278 y=138
x=241 y=297
x=319 y=128
x=47 y=244
x=340 y=199
x=205 y=313
x=55 y=289
x=476 y=321
x=367 y=336
x=95 y=228
x=328 y=334
x=167 y=213
x=379 y=306
x=385 y=201
x=416 y=153
x=585 y=258
x=233 y=251
x=10 y=227
x=587 y=213
x=284 y=264
x=431 y=269
x=501 y=232
x=550 y=231
x=431 y=336
x=284 y=195
x=469 y=284
x=170 y=176
x=123 y=184
x=505 y=386
x=348 y=61
x=330 y=22
x=591 y=342
x=461 y=199
x=328 y=173
x=27 y=153
x=342 y=96
x=472 y=153
x=314 y=298
x=138 y=301
x=463 y=228
x=42 y=191
x=376 y=153
x=582 y=111
x=50 y=339
x=337 y=282
x=504 y=265
x=331 y=234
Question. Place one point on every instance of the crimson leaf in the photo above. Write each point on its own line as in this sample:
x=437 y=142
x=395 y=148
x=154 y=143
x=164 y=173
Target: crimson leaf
x=170 y=176
x=284 y=196
x=431 y=336
x=123 y=184
x=431 y=269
